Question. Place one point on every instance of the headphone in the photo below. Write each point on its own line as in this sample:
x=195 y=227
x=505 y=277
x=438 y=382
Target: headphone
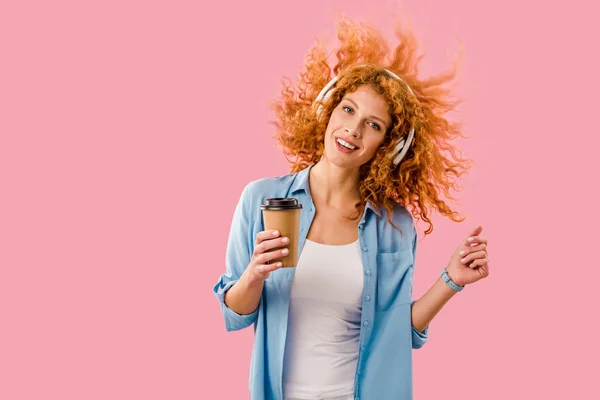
x=402 y=145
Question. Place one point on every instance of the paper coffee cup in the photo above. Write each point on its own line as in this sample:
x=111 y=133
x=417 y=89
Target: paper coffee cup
x=283 y=215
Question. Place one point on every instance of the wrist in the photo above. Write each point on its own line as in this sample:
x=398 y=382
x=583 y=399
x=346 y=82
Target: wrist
x=454 y=276
x=450 y=279
x=251 y=279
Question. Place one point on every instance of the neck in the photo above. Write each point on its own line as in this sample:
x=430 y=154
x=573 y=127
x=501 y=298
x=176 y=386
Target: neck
x=334 y=186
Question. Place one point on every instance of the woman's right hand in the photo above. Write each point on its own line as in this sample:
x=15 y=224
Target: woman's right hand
x=261 y=265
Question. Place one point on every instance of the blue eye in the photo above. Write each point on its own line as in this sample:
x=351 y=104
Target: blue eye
x=375 y=126
x=346 y=108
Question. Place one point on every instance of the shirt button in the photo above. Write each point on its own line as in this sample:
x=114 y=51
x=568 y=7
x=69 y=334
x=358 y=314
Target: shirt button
x=362 y=348
x=368 y=298
x=368 y=272
x=366 y=323
x=364 y=248
x=310 y=209
x=356 y=398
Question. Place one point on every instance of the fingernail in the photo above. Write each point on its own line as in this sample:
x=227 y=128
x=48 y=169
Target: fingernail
x=462 y=252
x=275 y=233
x=464 y=259
x=285 y=251
x=285 y=240
x=470 y=239
x=279 y=264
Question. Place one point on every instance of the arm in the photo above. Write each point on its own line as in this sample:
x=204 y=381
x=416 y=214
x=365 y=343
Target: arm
x=467 y=265
x=247 y=266
x=427 y=307
x=236 y=259
x=244 y=296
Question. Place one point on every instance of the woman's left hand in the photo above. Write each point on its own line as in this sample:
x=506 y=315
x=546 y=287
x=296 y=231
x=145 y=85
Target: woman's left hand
x=469 y=263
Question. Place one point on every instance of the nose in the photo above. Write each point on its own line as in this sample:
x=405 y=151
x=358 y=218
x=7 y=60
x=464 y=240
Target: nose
x=354 y=130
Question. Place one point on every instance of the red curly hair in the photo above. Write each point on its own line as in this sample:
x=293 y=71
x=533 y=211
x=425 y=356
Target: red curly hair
x=432 y=165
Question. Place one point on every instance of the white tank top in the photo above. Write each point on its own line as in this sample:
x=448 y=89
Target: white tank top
x=322 y=341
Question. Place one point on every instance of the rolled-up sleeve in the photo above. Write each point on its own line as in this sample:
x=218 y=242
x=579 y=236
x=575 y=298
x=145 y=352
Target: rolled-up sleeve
x=418 y=338
x=239 y=250
x=233 y=320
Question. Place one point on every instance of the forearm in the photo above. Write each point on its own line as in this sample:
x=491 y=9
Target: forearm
x=426 y=308
x=244 y=296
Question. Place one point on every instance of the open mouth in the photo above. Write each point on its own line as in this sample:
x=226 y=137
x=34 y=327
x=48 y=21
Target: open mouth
x=345 y=146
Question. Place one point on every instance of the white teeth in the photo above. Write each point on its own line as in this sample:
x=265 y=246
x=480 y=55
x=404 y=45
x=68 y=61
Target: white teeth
x=346 y=144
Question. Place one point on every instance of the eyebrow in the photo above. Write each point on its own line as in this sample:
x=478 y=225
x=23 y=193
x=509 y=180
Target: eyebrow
x=371 y=116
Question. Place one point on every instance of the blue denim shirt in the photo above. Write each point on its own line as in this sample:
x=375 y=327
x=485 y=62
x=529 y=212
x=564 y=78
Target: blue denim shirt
x=387 y=337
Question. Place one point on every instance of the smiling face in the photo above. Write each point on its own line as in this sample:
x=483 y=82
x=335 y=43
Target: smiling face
x=356 y=128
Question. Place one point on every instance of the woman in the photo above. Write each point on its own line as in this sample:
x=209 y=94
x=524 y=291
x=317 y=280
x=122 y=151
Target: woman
x=367 y=146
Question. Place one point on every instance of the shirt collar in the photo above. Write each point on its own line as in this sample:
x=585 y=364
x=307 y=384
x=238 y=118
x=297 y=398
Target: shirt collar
x=374 y=208
x=301 y=183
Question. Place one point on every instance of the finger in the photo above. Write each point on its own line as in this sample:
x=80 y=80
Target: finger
x=476 y=231
x=474 y=256
x=260 y=236
x=471 y=249
x=270 y=244
x=471 y=240
x=484 y=270
x=480 y=262
x=268 y=268
x=267 y=257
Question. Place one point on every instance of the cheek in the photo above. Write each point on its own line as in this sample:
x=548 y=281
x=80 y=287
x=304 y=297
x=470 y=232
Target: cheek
x=374 y=145
x=333 y=121
x=332 y=127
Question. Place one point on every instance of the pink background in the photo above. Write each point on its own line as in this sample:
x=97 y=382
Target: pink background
x=129 y=128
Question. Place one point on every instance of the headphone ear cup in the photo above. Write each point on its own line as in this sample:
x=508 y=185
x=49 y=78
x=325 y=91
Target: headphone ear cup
x=399 y=145
x=323 y=96
x=397 y=150
x=319 y=103
x=319 y=111
x=403 y=146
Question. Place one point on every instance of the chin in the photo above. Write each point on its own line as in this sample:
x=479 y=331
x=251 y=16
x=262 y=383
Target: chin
x=343 y=162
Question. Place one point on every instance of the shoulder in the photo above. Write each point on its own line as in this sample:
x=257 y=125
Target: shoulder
x=267 y=185
x=405 y=234
x=401 y=217
x=277 y=186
